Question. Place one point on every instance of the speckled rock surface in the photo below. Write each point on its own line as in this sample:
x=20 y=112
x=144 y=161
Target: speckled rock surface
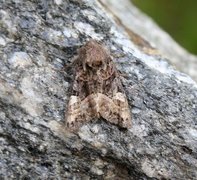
x=39 y=38
x=135 y=21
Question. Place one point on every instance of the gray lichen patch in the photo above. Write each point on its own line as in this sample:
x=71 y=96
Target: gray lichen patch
x=20 y=59
x=2 y=41
x=87 y=29
x=6 y=23
x=69 y=32
x=32 y=100
x=53 y=36
x=58 y=2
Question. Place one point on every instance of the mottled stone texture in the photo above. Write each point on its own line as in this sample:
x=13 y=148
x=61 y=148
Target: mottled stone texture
x=39 y=38
x=134 y=21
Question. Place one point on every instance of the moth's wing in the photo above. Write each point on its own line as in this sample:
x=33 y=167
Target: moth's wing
x=121 y=102
x=115 y=110
x=114 y=105
x=73 y=114
x=80 y=112
x=89 y=107
x=107 y=109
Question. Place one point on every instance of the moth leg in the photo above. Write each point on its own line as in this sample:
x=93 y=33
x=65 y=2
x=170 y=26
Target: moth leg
x=123 y=110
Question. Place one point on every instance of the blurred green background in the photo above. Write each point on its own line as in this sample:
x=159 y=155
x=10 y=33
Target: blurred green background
x=177 y=17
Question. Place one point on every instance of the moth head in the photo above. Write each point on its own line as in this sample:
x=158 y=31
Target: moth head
x=94 y=55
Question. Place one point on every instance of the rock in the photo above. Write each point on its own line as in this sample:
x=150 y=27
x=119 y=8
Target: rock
x=2 y=41
x=20 y=59
x=139 y=26
x=39 y=39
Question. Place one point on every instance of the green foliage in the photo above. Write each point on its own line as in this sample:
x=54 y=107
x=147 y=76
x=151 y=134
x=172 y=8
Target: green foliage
x=177 y=17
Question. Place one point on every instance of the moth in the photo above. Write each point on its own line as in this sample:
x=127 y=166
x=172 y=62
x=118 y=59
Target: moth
x=97 y=91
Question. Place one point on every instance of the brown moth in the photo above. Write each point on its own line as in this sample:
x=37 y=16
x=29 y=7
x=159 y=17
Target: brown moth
x=97 y=90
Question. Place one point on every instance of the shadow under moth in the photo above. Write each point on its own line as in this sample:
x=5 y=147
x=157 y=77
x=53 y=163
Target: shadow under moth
x=97 y=91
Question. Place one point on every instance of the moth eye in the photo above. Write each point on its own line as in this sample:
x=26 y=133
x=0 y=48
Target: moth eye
x=70 y=124
x=115 y=113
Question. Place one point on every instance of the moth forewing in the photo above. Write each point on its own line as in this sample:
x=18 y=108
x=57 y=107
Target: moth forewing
x=97 y=90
